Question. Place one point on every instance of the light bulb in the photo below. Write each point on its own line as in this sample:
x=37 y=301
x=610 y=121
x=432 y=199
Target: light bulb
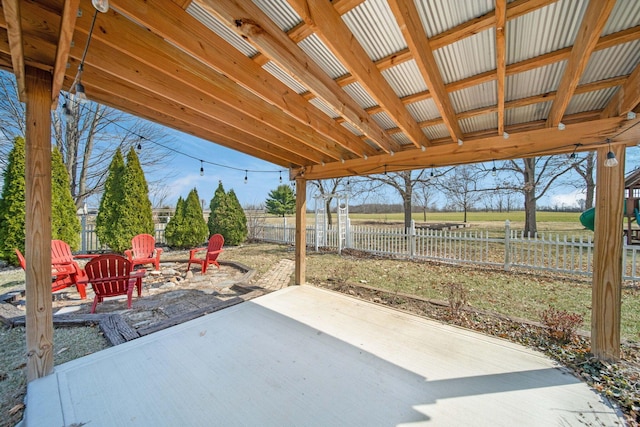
x=80 y=94
x=460 y=142
x=494 y=171
x=66 y=110
x=505 y=135
x=561 y=126
x=611 y=160
x=101 y=5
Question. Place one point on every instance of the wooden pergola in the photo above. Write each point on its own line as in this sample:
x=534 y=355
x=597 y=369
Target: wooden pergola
x=332 y=89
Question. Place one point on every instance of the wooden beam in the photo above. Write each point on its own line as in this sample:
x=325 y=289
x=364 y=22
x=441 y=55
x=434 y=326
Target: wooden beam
x=214 y=88
x=329 y=26
x=253 y=25
x=501 y=58
x=301 y=231
x=626 y=98
x=607 y=257
x=39 y=316
x=414 y=34
x=67 y=24
x=594 y=20
x=528 y=142
x=13 y=20
x=172 y=24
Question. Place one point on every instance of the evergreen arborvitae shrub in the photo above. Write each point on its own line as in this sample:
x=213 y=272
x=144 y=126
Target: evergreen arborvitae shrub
x=12 y=204
x=237 y=220
x=172 y=230
x=108 y=224
x=194 y=226
x=65 y=224
x=219 y=199
x=137 y=218
x=227 y=217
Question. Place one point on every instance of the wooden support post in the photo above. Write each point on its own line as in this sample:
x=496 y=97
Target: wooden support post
x=39 y=318
x=607 y=257
x=301 y=231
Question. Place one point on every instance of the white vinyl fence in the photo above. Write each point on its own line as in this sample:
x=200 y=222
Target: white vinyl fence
x=513 y=250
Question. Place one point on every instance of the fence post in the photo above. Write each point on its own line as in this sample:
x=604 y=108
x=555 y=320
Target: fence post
x=507 y=249
x=348 y=233
x=412 y=239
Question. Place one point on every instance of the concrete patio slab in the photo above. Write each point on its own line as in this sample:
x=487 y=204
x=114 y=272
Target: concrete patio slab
x=309 y=357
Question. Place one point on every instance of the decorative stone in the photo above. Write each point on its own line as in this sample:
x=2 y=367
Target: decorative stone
x=189 y=275
x=168 y=285
x=155 y=272
x=169 y=272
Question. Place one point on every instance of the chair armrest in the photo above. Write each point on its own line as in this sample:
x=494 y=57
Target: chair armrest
x=192 y=252
x=129 y=254
x=219 y=251
x=158 y=252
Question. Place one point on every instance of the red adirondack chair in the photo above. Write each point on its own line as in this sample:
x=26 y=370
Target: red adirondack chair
x=65 y=271
x=112 y=275
x=144 y=251
x=212 y=251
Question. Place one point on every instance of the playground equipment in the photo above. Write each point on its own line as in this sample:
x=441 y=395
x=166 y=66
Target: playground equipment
x=631 y=209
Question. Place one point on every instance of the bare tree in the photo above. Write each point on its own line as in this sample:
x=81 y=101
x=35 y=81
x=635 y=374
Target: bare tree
x=533 y=177
x=328 y=188
x=585 y=167
x=423 y=195
x=87 y=135
x=461 y=188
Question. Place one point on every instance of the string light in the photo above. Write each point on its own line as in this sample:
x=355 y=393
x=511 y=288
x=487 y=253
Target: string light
x=201 y=168
x=610 y=161
x=561 y=126
x=280 y=177
x=494 y=170
x=245 y=176
x=101 y=5
x=81 y=96
x=460 y=142
x=505 y=135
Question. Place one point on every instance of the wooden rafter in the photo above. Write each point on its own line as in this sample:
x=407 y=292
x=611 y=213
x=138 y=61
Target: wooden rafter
x=593 y=22
x=329 y=26
x=67 y=24
x=266 y=36
x=627 y=98
x=14 y=32
x=501 y=59
x=195 y=39
x=414 y=34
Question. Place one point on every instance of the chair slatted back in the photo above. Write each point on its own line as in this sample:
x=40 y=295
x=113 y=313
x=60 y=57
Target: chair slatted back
x=215 y=244
x=61 y=252
x=143 y=245
x=109 y=266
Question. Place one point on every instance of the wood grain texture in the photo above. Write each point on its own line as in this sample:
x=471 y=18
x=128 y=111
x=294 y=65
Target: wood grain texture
x=39 y=316
x=627 y=97
x=13 y=19
x=501 y=58
x=301 y=231
x=593 y=22
x=607 y=257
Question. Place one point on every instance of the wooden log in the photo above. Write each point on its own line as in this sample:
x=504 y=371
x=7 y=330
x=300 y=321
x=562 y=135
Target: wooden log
x=301 y=230
x=117 y=330
x=38 y=224
x=607 y=257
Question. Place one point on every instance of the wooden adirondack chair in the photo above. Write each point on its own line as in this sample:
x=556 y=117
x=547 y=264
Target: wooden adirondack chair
x=65 y=271
x=144 y=251
x=112 y=275
x=68 y=272
x=211 y=255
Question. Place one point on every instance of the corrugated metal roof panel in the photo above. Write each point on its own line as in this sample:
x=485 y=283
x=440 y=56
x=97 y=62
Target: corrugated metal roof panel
x=284 y=77
x=529 y=113
x=534 y=82
x=424 y=110
x=436 y=132
x=437 y=16
x=322 y=55
x=384 y=120
x=467 y=57
x=478 y=123
x=544 y=30
x=374 y=26
x=352 y=128
x=322 y=106
x=474 y=97
x=214 y=25
x=405 y=79
x=401 y=139
x=616 y=61
x=362 y=97
x=280 y=12
x=590 y=101
x=625 y=14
